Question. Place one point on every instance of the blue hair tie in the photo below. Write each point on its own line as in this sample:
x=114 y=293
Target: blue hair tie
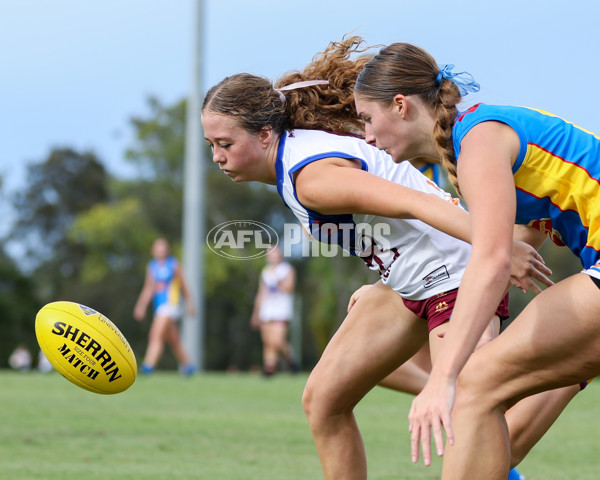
x=463 y=80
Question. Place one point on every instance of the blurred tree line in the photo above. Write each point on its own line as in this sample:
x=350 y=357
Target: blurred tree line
x=85 y=236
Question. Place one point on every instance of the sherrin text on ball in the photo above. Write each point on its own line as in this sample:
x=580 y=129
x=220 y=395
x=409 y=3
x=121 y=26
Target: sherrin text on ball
x=85 y=347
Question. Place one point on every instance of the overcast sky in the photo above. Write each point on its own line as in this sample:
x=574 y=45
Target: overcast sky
x=75 y=71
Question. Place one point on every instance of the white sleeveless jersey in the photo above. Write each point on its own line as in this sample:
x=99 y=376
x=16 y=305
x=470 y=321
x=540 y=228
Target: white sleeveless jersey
x=411 y=257
x=276 y=305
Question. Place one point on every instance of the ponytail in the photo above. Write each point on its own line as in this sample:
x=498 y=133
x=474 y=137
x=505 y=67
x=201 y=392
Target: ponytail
x=324 y=102
x=445 y=109
x=410 y=70
x=327 y=107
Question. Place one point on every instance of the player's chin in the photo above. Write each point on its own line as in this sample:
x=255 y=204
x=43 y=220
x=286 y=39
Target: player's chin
x=234 y=176
x=391 y=153
x=397 y=158
x=238 y=178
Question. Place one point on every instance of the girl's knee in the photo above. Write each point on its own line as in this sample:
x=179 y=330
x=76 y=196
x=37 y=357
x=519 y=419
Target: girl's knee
x=322 y=403
x=312 y=390
x=307 y=400
x=475 y=389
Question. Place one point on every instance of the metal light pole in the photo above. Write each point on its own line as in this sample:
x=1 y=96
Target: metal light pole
x=193 y=198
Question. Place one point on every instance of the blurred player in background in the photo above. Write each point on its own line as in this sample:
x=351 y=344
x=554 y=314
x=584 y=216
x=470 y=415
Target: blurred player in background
x=165 y=286
x=273 y=311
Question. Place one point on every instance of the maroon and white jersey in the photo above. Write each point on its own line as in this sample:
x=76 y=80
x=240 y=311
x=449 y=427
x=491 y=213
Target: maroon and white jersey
x=411 y=257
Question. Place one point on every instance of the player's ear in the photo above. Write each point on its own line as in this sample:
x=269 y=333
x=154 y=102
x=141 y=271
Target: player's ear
x=400 y=104
x=265 y=135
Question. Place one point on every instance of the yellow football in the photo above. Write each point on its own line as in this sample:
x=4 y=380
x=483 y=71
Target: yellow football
x=85 y=347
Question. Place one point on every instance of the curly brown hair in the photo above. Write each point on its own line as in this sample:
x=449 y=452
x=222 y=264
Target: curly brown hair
x=410 y=70
x=328 y=107
x=256 y=104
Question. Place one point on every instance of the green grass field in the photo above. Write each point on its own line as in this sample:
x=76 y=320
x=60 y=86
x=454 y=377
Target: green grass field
x=226 y=427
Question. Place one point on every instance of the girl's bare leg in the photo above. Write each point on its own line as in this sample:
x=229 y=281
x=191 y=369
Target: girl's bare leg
x=174 y=340
x=552 y=343
x=411 y=376
x=156 y=339
x=531 y=418
x=274 y=338
x=377 y=336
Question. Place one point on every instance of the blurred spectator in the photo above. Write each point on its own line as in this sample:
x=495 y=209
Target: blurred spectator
x=43 y=364
x=20 y=359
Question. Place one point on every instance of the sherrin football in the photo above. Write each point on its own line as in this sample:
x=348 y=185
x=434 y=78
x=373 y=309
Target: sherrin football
x=85 y=347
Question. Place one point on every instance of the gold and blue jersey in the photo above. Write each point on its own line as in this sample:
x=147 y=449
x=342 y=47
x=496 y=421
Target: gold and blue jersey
x=557 y=175
x=432 y=172
x=167 y=288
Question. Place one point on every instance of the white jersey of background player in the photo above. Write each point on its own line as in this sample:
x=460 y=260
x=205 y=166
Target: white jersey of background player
x=413 y=258
x=276 y=304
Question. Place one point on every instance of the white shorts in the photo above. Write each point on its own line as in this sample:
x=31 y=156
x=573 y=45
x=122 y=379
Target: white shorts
x=168 y=310
x=593 y=271
x=277 y=307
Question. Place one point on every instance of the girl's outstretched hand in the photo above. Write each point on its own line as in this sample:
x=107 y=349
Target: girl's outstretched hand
x=430 y=412
x=356 y=295
x=528 y=265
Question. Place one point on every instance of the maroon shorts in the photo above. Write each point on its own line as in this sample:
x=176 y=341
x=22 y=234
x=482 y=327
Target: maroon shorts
x=438 y=309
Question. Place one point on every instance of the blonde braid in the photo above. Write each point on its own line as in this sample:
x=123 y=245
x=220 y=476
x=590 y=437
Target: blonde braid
x=446 y=111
